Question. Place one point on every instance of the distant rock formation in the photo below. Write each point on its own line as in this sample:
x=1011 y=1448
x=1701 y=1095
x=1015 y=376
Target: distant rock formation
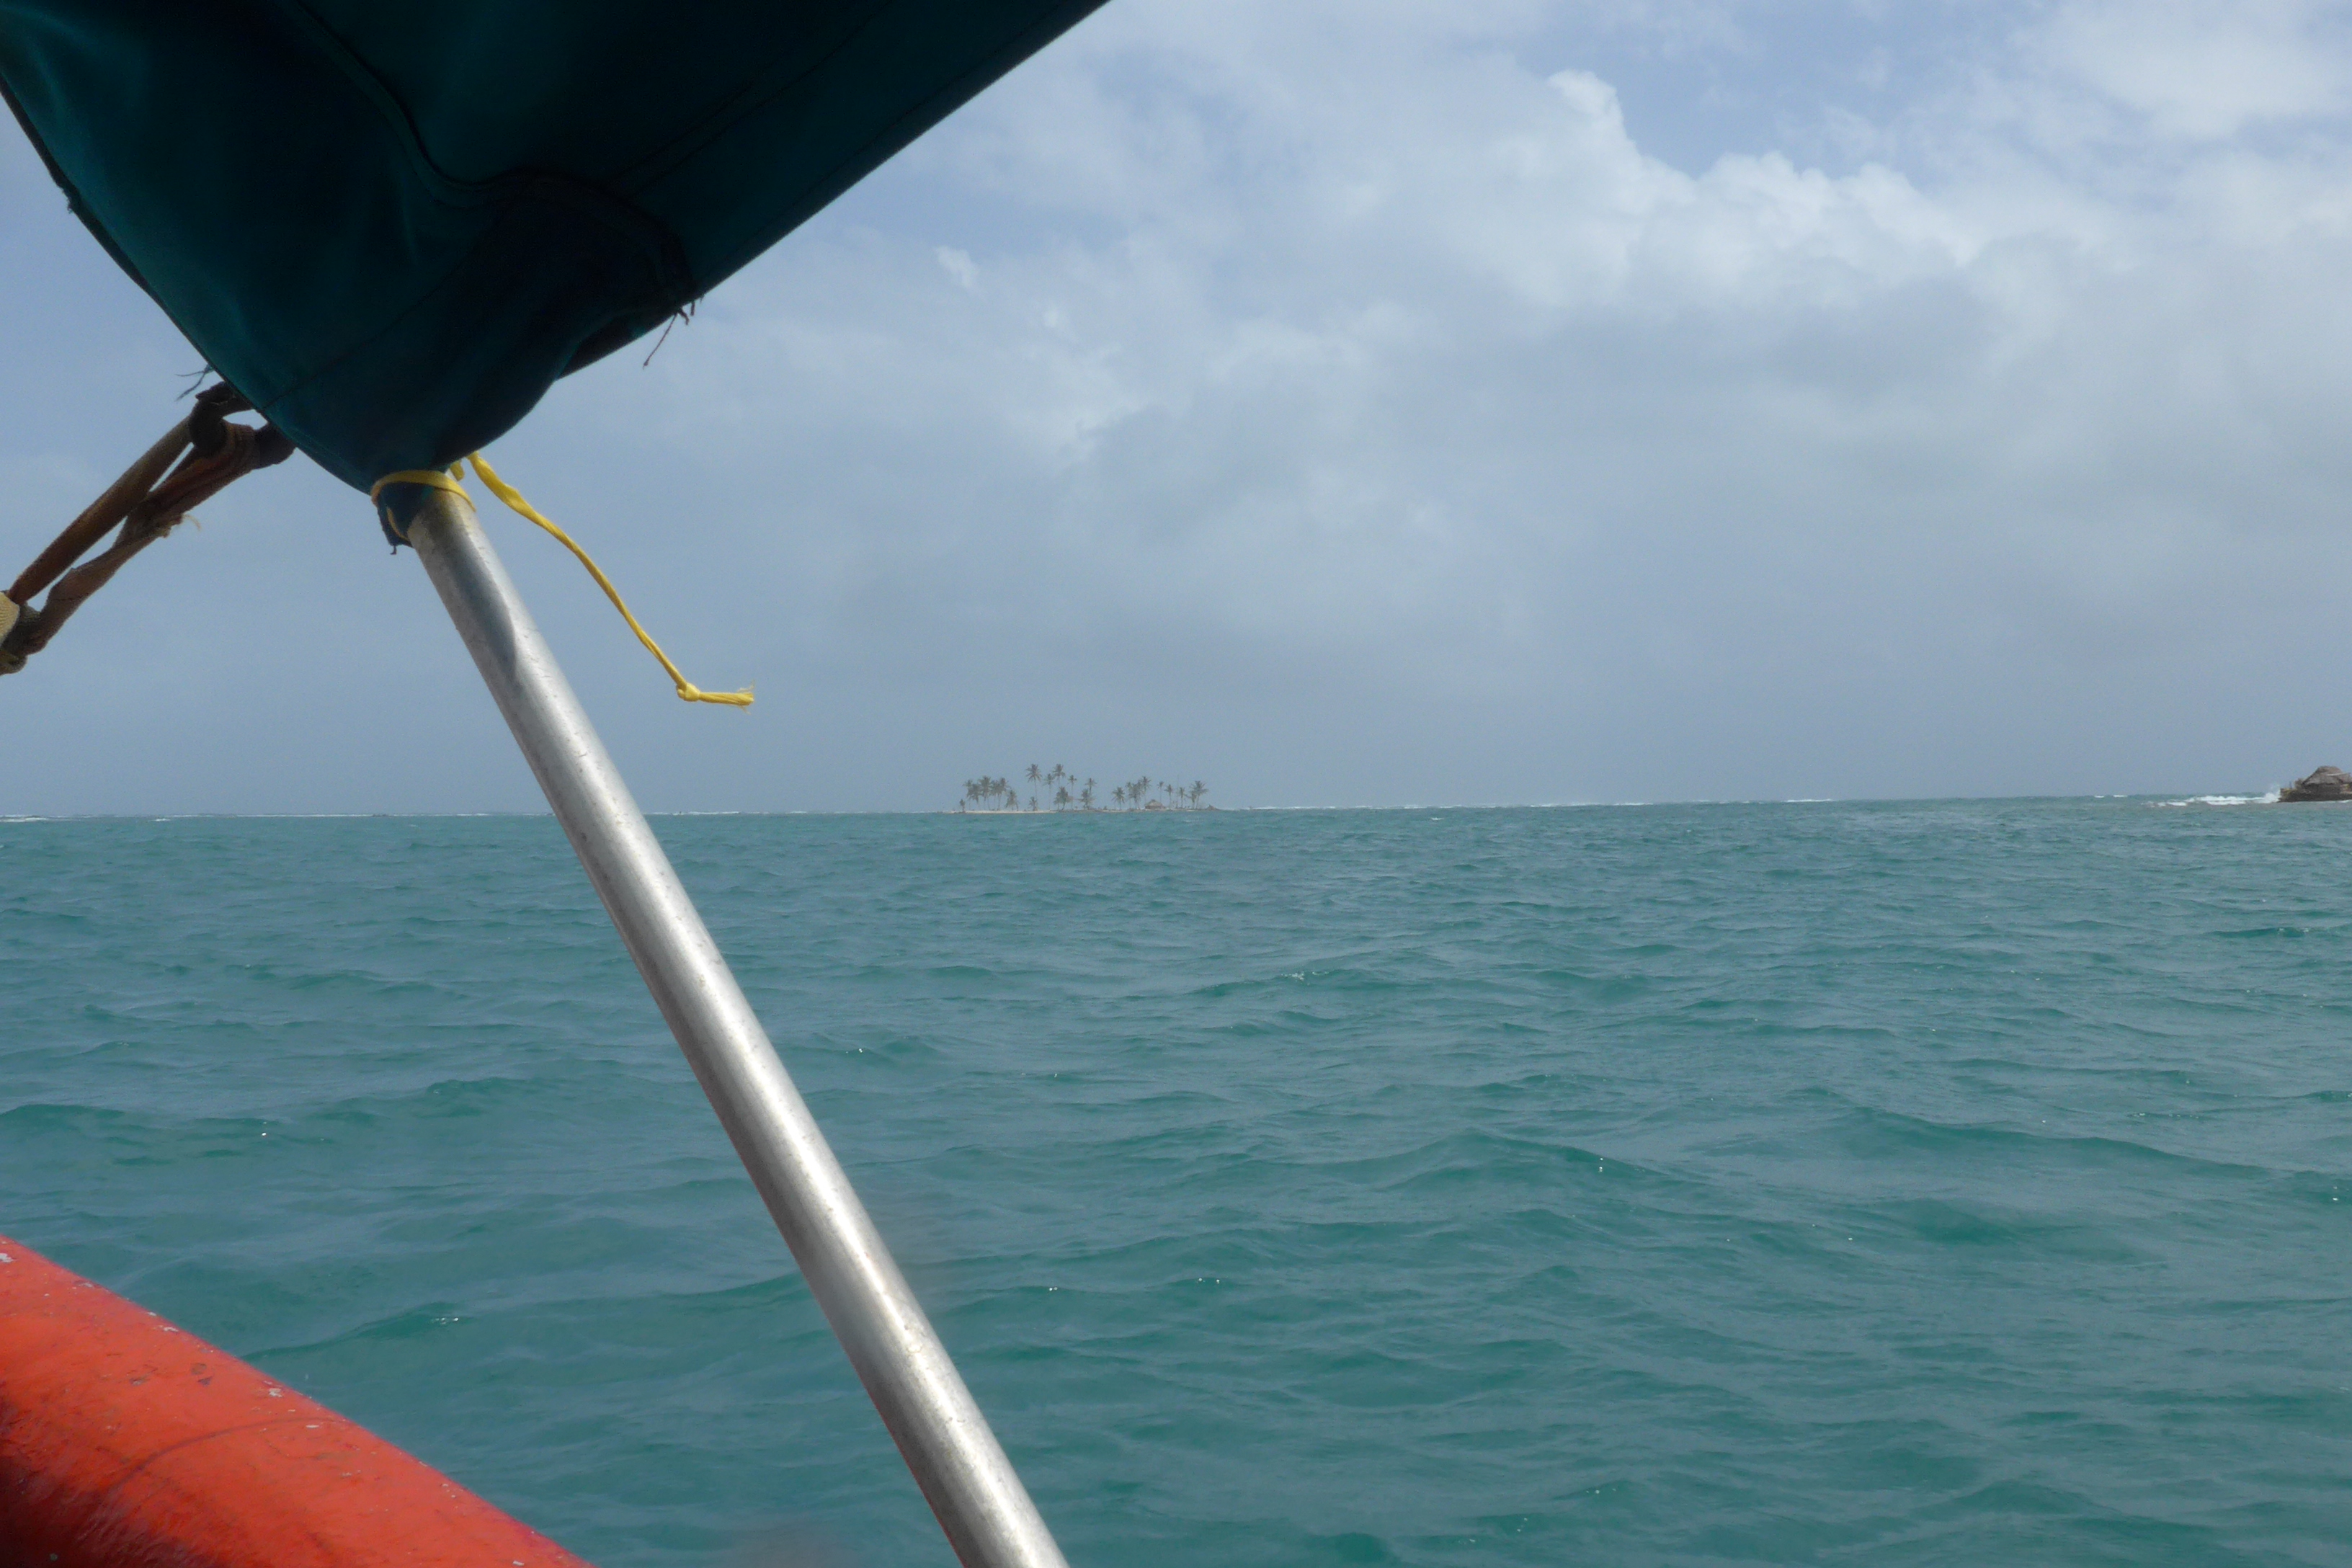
x=2321 y=783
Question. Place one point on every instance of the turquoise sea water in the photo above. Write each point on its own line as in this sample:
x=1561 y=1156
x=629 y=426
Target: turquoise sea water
x=1944 y=1184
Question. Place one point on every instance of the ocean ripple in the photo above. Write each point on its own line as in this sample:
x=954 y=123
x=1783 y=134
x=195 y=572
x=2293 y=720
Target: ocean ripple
x=1917 y=1183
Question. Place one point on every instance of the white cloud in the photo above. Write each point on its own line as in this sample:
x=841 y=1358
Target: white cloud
x=2204 y=69
x=958 y=264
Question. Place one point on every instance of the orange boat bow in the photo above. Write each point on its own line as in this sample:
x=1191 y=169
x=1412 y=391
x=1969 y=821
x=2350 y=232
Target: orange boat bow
x=127 y=1443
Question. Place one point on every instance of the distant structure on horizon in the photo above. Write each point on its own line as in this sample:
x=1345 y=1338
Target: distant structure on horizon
x=1061 y=790
x=2320 y=783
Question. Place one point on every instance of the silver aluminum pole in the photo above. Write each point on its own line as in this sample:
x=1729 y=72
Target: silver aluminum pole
x=963 y=1472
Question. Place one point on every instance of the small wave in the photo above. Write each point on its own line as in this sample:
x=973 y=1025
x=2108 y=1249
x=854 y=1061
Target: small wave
x=2269 y=799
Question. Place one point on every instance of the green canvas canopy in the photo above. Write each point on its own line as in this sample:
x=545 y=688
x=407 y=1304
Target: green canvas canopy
x=392 y=227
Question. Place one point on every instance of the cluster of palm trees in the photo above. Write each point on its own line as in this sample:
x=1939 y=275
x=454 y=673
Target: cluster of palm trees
x=1058 y=789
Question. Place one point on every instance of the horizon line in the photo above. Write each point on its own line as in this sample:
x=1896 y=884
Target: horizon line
x=2183 y=797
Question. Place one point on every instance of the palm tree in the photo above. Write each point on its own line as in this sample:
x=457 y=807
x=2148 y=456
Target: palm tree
x=1069 y=791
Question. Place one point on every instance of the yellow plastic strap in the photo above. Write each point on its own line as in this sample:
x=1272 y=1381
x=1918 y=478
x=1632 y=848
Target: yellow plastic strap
x=431 y=479
x=686 y=690
x=434 y=479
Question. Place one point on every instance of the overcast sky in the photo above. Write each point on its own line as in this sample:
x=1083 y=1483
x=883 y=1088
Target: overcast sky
x=1362 y=402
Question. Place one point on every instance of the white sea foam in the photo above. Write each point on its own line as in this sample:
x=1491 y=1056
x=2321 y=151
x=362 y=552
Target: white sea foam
x=2270 y=799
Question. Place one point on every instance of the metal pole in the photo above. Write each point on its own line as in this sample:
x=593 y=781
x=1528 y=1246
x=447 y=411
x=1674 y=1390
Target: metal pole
x=964 y=1474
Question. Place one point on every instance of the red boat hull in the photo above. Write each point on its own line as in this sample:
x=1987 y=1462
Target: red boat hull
x=127 y=1443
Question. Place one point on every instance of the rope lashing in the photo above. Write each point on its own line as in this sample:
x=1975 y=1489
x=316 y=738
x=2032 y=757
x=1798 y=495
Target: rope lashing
x=434 y=479
x=150 y=499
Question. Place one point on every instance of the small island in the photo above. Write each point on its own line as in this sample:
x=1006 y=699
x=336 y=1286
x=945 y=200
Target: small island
x=2320 y=783
x=1058 y=789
